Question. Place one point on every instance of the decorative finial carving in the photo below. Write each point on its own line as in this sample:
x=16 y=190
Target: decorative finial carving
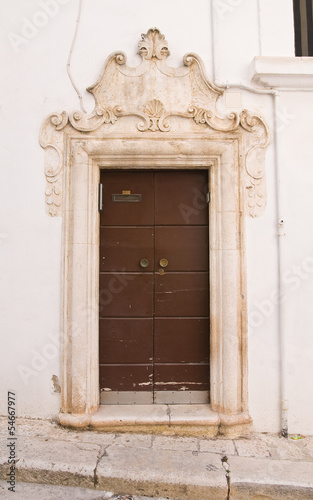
x=153 y=44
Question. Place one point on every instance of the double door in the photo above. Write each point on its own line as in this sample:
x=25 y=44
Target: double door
x=153 y=297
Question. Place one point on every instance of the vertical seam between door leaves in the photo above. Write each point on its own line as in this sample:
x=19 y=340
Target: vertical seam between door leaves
x=153 y=311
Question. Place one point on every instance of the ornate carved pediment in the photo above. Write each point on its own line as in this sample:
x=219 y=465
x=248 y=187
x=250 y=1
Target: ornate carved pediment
x=156 y=99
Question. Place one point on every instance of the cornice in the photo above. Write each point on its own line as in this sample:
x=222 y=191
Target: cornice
x=283 y=72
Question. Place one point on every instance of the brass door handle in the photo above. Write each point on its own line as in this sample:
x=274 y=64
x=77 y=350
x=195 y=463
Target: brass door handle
x=144 y=262
x=163 y=262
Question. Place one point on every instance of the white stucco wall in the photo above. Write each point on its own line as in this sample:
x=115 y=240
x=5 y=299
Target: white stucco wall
x=34 y=83
x=295 y=130
x=297 y=154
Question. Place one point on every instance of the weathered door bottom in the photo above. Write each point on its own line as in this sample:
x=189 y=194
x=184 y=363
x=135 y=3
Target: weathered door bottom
x=158 y=397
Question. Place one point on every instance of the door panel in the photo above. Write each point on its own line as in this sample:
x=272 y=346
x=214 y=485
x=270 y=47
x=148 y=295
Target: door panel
x=181 y=294
x=185 y=247
x=127 y=213
x=180 y=198
x=181 y=377
x=125 y=341
x=126 y=377
x=122 y=249
x=126 y=295
x=181 y=340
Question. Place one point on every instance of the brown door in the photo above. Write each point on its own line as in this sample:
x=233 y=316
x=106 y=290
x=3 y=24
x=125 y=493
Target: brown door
x=154 y=325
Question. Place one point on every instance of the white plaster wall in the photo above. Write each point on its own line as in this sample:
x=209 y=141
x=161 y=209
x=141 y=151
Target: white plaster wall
x=296 y=132
x=263 y=338
x=35 y=83
x=245 y=28
x=276 y=28
x=297 y=154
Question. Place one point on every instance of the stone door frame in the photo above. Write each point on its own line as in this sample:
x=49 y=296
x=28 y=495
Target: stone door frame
x=228 y=352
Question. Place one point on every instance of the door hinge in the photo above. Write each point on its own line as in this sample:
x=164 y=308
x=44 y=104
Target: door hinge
x=208 y=197
x=100 y=197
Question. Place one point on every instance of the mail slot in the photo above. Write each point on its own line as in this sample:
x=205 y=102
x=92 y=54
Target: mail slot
x=127 y=198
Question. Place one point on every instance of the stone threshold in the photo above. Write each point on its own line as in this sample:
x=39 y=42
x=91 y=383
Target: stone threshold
x=180 y=420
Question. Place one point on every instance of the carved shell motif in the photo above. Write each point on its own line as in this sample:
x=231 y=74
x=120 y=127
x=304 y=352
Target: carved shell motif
x=154 y=108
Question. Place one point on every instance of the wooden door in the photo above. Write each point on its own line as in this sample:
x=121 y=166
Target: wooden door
x=154 y=324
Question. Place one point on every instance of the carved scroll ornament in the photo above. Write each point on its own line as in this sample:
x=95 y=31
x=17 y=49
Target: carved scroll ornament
x=156 y=94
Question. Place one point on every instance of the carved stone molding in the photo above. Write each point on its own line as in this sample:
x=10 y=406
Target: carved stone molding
x=165 y=100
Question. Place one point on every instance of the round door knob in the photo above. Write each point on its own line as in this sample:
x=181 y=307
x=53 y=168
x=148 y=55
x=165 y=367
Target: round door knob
x=144 y=262
x=163 y=262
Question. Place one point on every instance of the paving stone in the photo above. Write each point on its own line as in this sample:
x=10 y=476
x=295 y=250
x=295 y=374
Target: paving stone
x=308 y=446
x=264 y=471
x=99 y=438
x=134 y=440
x=31 y=427
x=167 y=473
x=53 y=431
x=55 y=462
x=175 y=443
x=252 y=448
x=285 y=449
x=221 y=446
x=3 y=425
x=39 y=428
